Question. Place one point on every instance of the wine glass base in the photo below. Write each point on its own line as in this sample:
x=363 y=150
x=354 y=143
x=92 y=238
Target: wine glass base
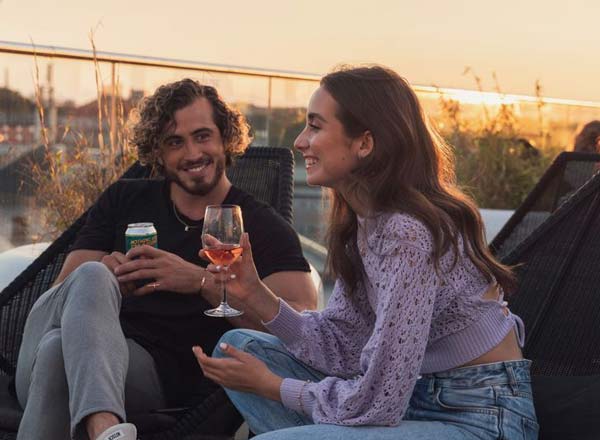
x=223 y=311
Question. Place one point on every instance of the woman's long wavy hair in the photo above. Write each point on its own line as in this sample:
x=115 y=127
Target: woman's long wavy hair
x=411 y=169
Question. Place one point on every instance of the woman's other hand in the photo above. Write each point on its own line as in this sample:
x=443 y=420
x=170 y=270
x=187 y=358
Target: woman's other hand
x=240 y=371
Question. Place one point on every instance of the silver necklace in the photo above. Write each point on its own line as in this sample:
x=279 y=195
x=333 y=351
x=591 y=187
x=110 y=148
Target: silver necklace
x=187 y=227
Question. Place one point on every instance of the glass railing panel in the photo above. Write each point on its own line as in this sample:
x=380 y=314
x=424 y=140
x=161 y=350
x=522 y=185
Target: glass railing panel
x=66 y=91
x=274 y=106
x=250 y=94
x=543 y=122
x=289 y=99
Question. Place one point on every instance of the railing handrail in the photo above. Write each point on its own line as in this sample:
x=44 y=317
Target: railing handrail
x=140 y=60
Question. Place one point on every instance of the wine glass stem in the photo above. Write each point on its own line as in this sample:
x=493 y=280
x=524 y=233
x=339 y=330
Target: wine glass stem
x=224 y=299
x=224 y=288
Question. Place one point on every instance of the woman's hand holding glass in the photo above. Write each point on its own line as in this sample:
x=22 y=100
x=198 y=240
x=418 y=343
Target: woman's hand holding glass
x=244 y=284
x=241 y=275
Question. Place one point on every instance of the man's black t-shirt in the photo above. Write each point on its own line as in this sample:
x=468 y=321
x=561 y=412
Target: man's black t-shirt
x=168 y=324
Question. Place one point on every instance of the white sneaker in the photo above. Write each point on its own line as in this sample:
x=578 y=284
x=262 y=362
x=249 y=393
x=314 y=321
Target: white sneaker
x=122 y=431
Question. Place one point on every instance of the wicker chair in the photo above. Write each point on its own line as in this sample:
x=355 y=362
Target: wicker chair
x=266 y=173
x=558 y=268
x=568 y=172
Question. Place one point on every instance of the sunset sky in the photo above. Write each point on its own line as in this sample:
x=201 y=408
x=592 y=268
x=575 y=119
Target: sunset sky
x=428 y=42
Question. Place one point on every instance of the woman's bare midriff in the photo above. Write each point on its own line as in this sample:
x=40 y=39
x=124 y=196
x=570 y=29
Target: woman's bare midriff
x=507 y=350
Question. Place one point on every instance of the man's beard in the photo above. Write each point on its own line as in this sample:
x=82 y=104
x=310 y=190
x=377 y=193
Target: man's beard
x=198 y=188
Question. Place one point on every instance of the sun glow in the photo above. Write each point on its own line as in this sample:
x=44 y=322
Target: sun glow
x=476 y=97
x=465 y=96
x=481 y=98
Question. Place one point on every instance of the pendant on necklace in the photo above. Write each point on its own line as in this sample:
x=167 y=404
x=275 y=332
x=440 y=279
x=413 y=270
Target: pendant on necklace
x=187 y=228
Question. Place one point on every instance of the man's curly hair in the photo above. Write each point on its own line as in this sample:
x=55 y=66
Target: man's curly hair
x=155 y=115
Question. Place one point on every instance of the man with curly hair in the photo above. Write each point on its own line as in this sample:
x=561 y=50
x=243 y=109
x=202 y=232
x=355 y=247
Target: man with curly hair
x=114 y=336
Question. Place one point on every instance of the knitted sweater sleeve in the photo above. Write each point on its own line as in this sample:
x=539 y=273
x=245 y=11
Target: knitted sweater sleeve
x=329 y=341
x=405 y=284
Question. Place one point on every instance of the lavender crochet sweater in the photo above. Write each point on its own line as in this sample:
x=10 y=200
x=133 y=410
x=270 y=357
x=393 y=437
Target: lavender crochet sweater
x=406 y=319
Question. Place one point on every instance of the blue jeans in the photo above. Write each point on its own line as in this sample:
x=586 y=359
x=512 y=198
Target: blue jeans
x=491 y=401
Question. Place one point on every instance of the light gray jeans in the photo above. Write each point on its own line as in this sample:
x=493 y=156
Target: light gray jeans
x=75 y=361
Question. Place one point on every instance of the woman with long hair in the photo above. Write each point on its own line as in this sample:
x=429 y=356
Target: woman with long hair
x=416 y=340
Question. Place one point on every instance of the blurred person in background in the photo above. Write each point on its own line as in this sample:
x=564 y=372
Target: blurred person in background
x=588 y=139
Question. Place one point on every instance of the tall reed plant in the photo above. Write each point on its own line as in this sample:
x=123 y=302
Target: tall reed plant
x=80 y=165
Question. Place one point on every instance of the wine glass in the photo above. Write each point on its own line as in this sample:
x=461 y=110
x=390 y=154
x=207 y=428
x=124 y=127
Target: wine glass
x=221 y=233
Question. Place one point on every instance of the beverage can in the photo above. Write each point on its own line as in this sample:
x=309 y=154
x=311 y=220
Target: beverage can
x=138 y=234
